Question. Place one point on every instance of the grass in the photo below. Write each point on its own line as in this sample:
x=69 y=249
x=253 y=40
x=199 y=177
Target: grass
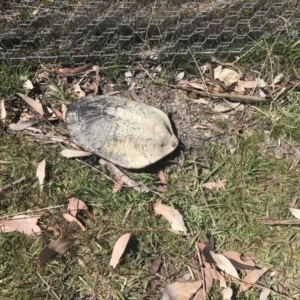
x=258 y=185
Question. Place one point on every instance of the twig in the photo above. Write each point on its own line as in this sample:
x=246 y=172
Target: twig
x=32 y=211
x=238 y=98
x=12 y=183
x=49 y=287
x=282 y=222
x=201 y=268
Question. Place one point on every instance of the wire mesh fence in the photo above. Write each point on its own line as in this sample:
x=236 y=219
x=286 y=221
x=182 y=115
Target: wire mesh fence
x=77 y=31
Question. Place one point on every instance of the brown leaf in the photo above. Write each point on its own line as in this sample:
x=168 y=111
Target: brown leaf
x=69 y=153
x=77 y=204
x=198 y=86
x=58 y=113
x=224 y=264
x=53 y=230
x=218 y=185
x=70 y=218
x=179 y=76
x=40 y=173
x=77 y=70
x=247 y=84
x=235 y=256
x=118 y=185
x=34 y=104
x=162 y=177
x=181 y=290
x=54 y=249
x=119 y=249
x=22 y=125
x=226 y=75
x=172 y=215
x=154 y=267
x=252 y=278
x=22 y=223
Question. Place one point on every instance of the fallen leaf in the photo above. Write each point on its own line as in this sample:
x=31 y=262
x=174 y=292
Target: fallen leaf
x=226 y=75
x=154 y=267
x=22 y=125
x=64 y=110
x=119 y=249
x=181 y=290
x=210 y=275
x=77 y=204
x=40 y=173
x=74 y=153
x=197 y=86
x=247 y=84
x=252 y=277
x=198 y=126
x=222 y=280
x=70 y=218
x=277 y=79
x=162 y=177
x=58 y=113
x=118 y=184
x=236 y=256
x=295 y=212
x=54 y=249
x=222 y=108
x=261 y=83
x=227 y=293
x=180 y=76
x=34 y=104
x=218 y=185
x=3 y=110
x=77 y=92
x=77 y=70
x=22 y=223
x=264 y=294
x=224 y=264
x=172 y=215
x=28 y=84
x=53 y=230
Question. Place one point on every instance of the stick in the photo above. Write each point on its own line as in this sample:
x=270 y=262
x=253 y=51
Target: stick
x=282 y=222
x=236 y=98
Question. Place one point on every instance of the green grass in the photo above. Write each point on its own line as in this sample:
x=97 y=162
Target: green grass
x=258 y=185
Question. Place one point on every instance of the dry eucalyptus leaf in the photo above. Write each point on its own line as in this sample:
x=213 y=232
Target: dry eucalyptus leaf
x=180 y=76
x=224 y=264
x=295 y=212
x=252 y=277
x=247 y=84
x=75 y=205
x=77 y=70
x=278 y=79
x=70 y=218
x=181 y=290
x=119 y=249
x=197 y=86
x=28 y=84
x=3 y=110
x=22 y=125
x=264 y=295
x=69 y=153
x=226 y=75
x=261 y=83
x=22 y=223
x=154 y=267
x=118 y=184
x=41 y=173
x=227 y=293
x=54 y=249
x=172 y=215
x=77 y=92
x=236 y=256
x=34 y=104
x=218 y=185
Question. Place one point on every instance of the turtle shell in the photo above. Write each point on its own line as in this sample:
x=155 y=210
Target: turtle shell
x=127 y=133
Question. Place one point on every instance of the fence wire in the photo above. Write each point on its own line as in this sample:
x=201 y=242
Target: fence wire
x=74 y=32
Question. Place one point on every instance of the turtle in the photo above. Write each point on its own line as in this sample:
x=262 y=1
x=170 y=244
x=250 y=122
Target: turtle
x=127 y=133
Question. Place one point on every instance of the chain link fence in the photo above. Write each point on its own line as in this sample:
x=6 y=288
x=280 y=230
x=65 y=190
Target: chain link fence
x=78 y=31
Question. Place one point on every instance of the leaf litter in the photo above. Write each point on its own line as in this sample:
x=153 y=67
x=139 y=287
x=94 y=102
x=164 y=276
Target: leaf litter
x=23 y=223
x=119 y=249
